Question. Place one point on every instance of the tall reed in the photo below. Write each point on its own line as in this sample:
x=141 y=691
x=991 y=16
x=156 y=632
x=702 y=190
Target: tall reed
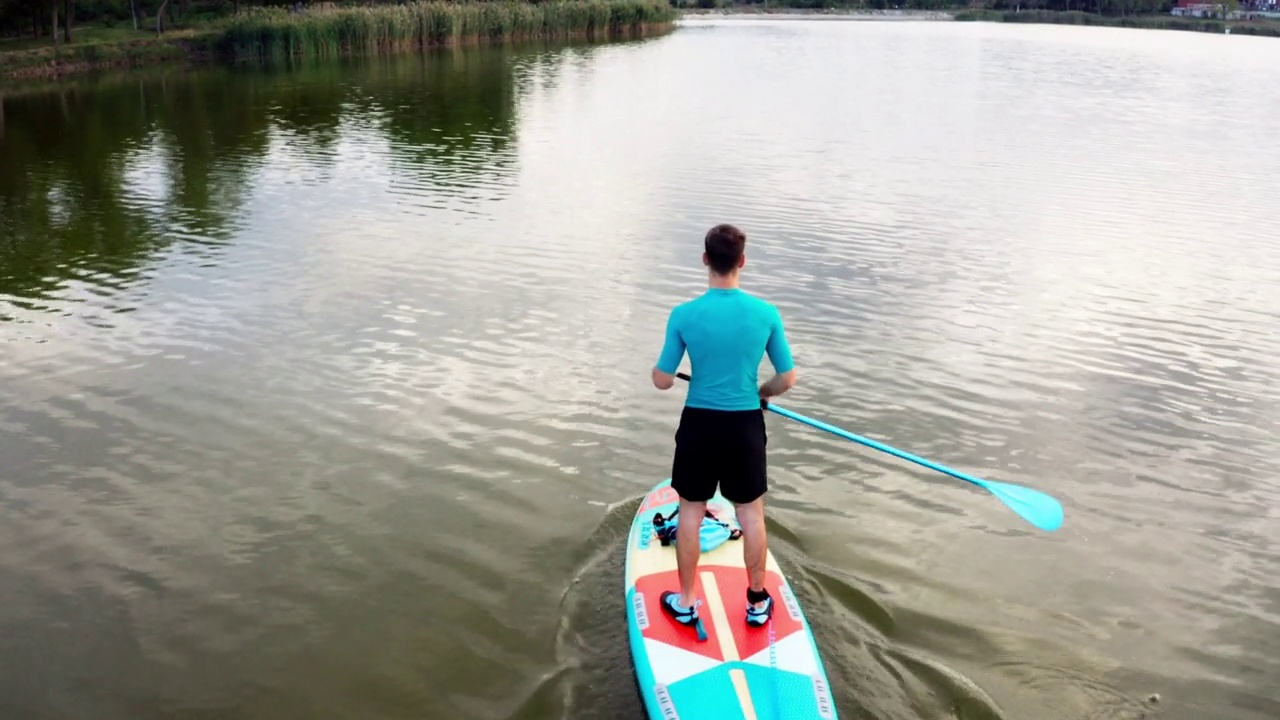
x=266 y=33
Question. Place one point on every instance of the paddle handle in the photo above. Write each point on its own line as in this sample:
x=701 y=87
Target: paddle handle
x=880 y=446
x=1034 y=506
x=765 y=404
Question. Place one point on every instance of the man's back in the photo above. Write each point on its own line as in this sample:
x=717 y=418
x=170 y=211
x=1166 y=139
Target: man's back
x=722 y=436
x=726 y=332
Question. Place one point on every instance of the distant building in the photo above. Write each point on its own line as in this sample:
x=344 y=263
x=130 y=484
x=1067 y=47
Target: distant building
x=1216 y=8
x=1197 y=8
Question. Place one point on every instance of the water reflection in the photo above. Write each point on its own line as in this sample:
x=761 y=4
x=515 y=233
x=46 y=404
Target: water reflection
x=99 y=180
x=376 y=338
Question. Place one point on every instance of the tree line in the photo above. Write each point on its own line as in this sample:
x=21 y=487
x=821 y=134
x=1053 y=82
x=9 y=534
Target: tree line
x=57 y=19
x=1101 y=7
x=1115 y=8
x=54 y=19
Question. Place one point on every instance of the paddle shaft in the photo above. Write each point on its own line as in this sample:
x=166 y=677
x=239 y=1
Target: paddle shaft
x=864 y=441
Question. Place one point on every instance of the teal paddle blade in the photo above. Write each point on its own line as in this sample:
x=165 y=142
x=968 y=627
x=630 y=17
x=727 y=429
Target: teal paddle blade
x=1035 y=507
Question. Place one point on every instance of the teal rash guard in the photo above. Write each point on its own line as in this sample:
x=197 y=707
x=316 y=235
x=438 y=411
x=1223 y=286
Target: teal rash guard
x=726 y=333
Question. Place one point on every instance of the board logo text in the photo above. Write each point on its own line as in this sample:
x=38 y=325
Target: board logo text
x=642 y=615
x=823 y=696
x=793 y=608
x=667 y=707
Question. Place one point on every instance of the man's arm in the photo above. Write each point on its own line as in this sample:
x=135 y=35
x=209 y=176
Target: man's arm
x=779 y=352
x=663 y=380
x=664 y=372
x=778 y=384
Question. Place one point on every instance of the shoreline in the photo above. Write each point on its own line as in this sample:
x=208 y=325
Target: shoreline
x=748 y=11
x=200 y=50
x=57 y=63
x=250 y=36
x=269 y=35
x=1254 y=27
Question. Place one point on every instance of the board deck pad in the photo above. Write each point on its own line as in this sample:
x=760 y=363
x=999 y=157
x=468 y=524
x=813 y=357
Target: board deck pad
x=740 y=672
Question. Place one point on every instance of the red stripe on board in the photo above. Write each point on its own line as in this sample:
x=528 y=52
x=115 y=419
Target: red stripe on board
x=664 y=495
x=732 y=583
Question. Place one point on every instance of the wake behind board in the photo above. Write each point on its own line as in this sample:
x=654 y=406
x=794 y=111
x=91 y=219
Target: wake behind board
x=740 y=672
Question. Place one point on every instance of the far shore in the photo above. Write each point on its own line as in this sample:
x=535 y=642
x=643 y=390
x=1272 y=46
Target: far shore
x=266 y=33
x=277 y=33
x=833 y=13
x=1160 y=21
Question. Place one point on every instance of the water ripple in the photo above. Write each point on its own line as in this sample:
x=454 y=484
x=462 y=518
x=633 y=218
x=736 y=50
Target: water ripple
x=316 y=379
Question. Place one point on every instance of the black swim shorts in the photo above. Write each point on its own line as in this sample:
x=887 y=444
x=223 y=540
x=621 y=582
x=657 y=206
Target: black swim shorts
x=724 y=448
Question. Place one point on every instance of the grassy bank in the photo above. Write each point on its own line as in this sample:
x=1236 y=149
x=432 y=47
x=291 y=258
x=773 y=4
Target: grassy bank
x=49 y=61
x=272 y=33
x=1150 y=22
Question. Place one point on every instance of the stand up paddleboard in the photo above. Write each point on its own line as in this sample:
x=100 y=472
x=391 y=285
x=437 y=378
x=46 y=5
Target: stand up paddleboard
x=740 y=672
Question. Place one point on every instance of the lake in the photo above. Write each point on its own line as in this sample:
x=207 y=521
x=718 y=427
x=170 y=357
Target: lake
x=324 y=391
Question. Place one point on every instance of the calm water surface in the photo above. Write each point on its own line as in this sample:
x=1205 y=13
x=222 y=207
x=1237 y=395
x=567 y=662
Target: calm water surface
x=324 y=393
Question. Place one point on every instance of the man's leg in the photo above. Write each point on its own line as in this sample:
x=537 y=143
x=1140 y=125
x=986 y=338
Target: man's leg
x=693 y=480
x=688 y=547
x=746 y=490
x=754 y=543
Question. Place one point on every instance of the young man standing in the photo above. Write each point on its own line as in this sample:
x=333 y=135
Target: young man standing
x=721 y=439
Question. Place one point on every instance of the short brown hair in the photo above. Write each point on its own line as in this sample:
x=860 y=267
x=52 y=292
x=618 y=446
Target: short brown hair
x=725 y=245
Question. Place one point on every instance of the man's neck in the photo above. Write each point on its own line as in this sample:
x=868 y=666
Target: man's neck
x=722 y=282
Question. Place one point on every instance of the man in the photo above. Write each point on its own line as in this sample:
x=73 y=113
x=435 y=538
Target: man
x=721 y=438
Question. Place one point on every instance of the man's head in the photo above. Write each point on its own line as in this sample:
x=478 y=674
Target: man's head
x=725 y=249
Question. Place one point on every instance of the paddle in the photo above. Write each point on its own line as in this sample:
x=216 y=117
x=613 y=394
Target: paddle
x=1037 y=508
